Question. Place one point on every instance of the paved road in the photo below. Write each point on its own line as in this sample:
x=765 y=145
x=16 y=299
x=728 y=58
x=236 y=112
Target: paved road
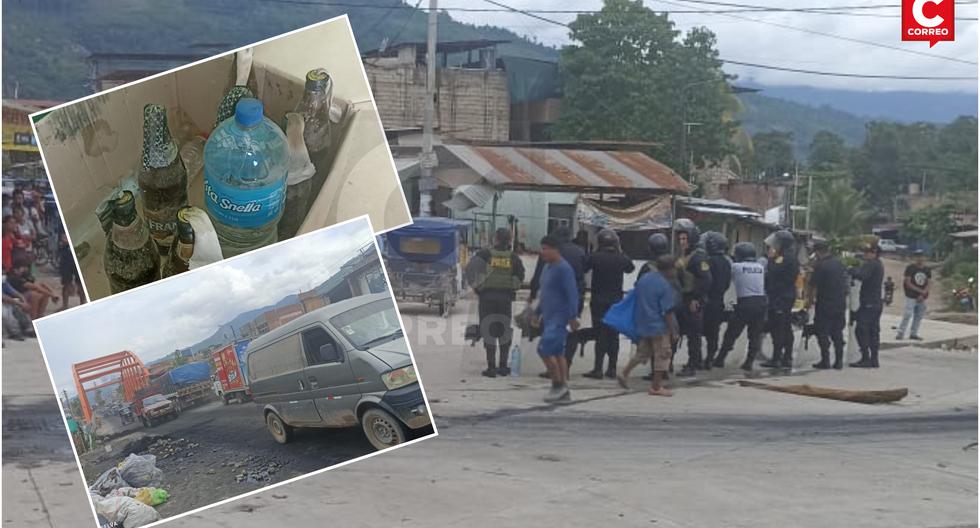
x=714 y=455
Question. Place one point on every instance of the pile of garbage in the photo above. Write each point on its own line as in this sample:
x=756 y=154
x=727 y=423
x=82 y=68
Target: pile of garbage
x=127 y=494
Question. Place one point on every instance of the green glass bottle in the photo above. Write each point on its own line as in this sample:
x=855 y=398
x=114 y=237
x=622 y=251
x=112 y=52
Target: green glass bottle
x=131 y=257
x=178 y=261
x=226 y=108
x=162 y=178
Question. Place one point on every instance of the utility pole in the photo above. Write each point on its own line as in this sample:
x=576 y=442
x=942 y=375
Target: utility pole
x=809 y=199
x=796 y=193
x=428 y=161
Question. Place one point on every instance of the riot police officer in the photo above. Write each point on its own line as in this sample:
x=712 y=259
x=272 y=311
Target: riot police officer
x=608 y=265
x=694 y=273
x=868 y=326
x=828 y=288
x=496 y=274
x=716 y=245
x=748 y=275
x=782 y=268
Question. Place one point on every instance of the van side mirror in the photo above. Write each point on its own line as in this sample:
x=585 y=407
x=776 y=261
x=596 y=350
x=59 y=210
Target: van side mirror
x=328 y=353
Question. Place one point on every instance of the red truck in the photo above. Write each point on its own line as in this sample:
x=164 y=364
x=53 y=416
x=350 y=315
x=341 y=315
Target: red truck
x=231 y=373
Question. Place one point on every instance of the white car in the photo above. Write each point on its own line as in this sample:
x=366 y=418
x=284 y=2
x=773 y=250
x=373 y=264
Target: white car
x=889 y=246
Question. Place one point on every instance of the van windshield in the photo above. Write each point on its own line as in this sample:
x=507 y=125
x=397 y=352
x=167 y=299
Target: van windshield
x=369 y=324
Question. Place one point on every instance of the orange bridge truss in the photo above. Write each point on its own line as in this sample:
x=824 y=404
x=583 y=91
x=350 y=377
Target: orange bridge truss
x=133 y=376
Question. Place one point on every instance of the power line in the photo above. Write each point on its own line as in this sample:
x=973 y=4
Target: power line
x=846 y=74
x=834 y=36
x=770 y=67
x=833 y=11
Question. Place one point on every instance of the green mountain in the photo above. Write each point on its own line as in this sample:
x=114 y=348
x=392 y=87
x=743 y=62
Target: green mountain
x=46 y=42
x=763 y=113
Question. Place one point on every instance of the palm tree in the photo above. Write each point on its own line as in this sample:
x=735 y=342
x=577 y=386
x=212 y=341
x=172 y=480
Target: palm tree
x=838 y=210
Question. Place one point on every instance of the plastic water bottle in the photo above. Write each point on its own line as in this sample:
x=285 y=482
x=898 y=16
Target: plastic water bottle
x=245 y=179
x=515 y=360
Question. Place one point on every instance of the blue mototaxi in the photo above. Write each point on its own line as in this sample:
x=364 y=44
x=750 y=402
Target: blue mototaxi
x=425 y=261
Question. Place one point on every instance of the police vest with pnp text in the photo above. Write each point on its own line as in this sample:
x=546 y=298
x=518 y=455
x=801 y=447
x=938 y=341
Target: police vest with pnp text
x=500 y=272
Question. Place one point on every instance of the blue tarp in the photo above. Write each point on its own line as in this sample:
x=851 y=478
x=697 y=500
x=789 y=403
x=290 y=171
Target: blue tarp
x=443 y=230
x=191 y=373
x=240 y=348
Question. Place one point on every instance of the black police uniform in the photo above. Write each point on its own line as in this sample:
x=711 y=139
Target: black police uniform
x=495 y=305
x=830 y=279
x=714 y=309
x=750 y=311
x=781 y=273
x=695 y=284
x=607 y=266
x=867 y=328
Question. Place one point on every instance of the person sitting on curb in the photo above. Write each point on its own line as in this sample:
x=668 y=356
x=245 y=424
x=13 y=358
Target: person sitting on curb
x=656 y=325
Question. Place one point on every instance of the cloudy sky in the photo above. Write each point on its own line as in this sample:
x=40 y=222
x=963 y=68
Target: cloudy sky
x=745 y=40
x=173 y=314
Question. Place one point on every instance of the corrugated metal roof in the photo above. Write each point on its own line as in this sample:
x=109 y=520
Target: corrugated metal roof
x=568 y=169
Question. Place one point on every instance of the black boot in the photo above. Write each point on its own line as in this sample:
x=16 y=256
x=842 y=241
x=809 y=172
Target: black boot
x=709 y=359
x=864 y=362
x=775 y=362
x=594 y=374
x=689 y=371
x=873 y=360
x=839 y=360
x=824 y=362
x=787 y=361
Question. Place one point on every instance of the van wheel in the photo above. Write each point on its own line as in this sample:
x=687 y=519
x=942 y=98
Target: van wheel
x=277 y=428
x=382 y=429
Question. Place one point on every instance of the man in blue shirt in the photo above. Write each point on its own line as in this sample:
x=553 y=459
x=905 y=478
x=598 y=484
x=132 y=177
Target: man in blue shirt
x=656 y=325
x=557 y=310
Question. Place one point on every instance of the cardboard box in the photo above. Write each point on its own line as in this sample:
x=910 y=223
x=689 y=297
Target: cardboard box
x=92 y=145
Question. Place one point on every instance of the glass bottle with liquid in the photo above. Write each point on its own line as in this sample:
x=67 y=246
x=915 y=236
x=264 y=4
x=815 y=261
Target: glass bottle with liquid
x=131 y=256
x=182 y=249
x=162 y=177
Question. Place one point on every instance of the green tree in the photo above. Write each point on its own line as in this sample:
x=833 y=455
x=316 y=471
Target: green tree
x=933 y=224
x=630 y=77
x=178 y=359
x=839 y=210
x=772 y=155
x=827 y=152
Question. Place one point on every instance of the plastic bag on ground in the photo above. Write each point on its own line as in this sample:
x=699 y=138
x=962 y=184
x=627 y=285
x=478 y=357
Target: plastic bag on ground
x=148 y=496
x=108 y=481
x=126 y=511
x=141 y=471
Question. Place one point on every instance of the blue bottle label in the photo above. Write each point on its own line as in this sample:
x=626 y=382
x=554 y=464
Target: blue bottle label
x=244 y=208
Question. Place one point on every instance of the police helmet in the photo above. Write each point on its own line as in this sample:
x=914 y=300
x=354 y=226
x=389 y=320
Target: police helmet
x=659 y=244
x=502 y=235
x=781 y=240
x=607 y=238
x=715 y=243
x=686 y=226
x=744 y=252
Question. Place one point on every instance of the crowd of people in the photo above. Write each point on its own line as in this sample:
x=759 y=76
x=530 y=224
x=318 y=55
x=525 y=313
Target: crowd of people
x=680 y=297
x=27 y=225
